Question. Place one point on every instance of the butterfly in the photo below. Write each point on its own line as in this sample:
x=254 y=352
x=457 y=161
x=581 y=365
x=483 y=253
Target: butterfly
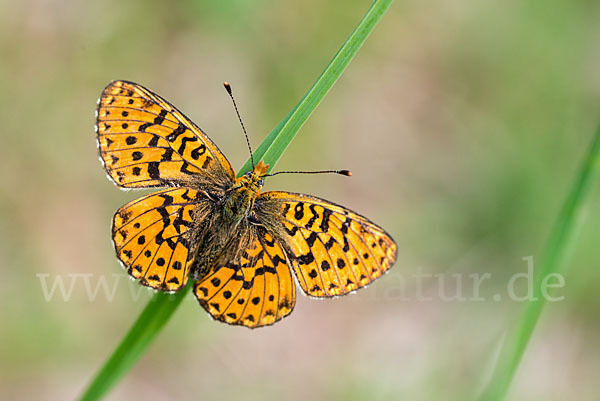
x=243 y=248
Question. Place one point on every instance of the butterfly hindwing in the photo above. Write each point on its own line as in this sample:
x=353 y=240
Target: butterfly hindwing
x=333 y=250
x=153 y=236
x=145 y=141
x=251 y=284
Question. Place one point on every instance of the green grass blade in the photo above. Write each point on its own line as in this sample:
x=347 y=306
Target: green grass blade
x=162 y=306
x=154 y=316
x=552 y=261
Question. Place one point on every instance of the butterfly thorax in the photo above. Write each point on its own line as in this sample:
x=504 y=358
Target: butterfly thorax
x=235 y=207
x=239 y=199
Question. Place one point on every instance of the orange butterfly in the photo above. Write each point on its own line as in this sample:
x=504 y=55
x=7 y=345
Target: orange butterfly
x=239 y=244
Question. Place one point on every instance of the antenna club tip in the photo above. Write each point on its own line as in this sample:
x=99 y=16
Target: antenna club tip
x=227 y=87
x=347 y=173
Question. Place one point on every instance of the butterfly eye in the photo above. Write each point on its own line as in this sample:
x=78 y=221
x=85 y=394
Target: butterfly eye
x=261 y=182
x=248 y=174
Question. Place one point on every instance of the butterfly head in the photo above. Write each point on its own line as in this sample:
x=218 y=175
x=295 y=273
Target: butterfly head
x=253 y=180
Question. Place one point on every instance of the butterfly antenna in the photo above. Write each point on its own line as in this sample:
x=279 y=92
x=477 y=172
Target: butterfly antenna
x=228 y=89
x=347 y=173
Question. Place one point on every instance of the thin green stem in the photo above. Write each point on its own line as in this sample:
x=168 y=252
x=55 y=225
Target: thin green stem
x=552 y=261
x=162 y=306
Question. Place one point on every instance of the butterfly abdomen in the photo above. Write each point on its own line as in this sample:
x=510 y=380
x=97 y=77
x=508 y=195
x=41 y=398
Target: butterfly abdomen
x=233 y=209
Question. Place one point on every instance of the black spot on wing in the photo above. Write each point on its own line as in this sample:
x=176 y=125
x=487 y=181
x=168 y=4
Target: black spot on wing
x=153 y=170
x=167 y=156
x=325 y=221
x=167 y=200
x=277 y=260
x=345 y=226
x=184 y=142
x=291 y=231
x=306 y=259
x=346 y=247
x=271 y=243
x=199 y=151
x=186 y=195
x=161 y=117
x=207 y=161
x=314 y=216
x=185 y=168
x=310 y=241
x=299 y=211
x=143 y=127
x=176 y=132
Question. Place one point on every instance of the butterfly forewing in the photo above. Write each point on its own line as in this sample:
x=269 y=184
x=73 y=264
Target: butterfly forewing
x=251 y=285
x=144 y=141
x=333 y=250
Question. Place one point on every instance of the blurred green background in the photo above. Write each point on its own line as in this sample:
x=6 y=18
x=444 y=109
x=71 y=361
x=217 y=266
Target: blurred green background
x=462 y=121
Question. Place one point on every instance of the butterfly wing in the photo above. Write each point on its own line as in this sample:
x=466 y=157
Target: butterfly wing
x=251 y=284
x=154 y=236
x=333 y=250
x=144 y=141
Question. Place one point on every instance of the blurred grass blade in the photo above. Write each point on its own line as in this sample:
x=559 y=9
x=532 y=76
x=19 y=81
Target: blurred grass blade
x=552 y=261
x=161 y=307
